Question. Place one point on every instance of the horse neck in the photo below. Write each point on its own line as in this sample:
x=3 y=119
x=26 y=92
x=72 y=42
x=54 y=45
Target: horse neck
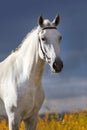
x=32 y=64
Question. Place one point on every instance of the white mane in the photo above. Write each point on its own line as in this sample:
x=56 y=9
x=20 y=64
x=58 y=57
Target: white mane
x=28 y=36
x=23 y=41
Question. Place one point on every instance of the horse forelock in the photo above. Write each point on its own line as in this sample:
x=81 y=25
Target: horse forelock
x=47 y=23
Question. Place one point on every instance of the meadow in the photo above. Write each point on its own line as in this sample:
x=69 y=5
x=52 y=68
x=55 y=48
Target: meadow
x=69 y=121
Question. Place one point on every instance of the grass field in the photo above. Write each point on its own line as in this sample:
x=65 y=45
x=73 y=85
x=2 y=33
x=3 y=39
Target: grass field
x=70 y=121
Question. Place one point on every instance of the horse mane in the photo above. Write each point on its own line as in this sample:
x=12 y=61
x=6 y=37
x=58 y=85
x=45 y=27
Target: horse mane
x=46 y=24
x=27 y=36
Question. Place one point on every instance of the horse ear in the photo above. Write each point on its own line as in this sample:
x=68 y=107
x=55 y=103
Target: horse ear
x=56 y=20
x=41 y=21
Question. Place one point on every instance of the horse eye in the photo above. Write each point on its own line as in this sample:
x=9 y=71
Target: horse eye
x=60 y=38
x=43 y=39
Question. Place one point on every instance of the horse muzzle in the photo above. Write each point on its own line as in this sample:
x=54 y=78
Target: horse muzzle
x=58 y=65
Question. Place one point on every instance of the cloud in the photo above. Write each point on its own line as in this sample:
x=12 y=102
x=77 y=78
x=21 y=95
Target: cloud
x=65 y=104
x=65 y=87
x=75 y=63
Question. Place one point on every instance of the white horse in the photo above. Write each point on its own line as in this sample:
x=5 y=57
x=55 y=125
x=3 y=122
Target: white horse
x=21 y=92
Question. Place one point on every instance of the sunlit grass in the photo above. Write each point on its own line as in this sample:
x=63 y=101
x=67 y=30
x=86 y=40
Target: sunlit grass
x=70 y=121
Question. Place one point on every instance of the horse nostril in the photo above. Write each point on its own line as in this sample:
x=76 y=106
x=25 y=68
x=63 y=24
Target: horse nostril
x=61 y=64
x=58 y=65
x=54 y=65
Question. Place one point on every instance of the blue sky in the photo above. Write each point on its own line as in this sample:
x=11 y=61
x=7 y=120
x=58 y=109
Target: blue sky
x=19 y=17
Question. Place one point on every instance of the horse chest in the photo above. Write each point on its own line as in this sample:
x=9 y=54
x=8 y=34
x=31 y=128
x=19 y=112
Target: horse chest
x=30 y=101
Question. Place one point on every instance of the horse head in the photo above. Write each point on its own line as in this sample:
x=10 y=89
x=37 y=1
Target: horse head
x=50 y=47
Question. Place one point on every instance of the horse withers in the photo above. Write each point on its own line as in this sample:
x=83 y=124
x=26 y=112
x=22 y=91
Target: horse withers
x=21 y=91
